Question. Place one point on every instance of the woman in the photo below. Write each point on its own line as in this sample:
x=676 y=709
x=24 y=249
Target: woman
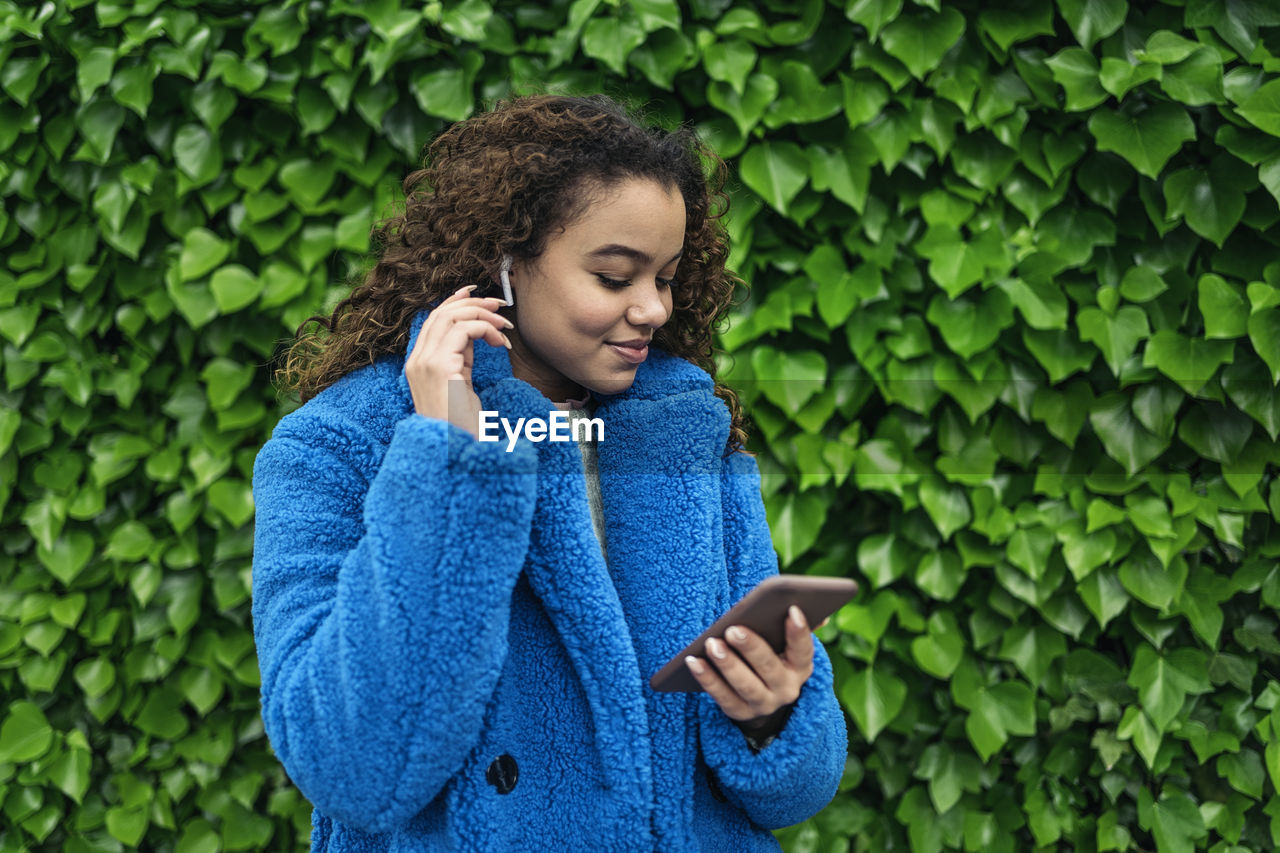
x=449 y=659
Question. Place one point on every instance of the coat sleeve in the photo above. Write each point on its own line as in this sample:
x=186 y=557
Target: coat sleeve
x=381 y=605
x=796 y=775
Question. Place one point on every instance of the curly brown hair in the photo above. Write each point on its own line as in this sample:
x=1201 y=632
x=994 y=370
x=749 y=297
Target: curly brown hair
x=499 y=183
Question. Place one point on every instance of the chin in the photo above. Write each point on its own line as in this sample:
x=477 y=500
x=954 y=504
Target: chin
x=612 y=385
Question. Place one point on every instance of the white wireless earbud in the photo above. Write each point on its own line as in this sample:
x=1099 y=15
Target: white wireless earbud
x=504 y=275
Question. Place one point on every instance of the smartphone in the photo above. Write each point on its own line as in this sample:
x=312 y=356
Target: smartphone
x=763 y=610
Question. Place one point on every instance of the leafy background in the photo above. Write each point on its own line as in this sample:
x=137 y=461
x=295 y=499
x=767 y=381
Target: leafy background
x=1011 y=348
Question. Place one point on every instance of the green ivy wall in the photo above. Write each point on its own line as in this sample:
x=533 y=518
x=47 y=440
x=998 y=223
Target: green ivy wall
x=1011 y=348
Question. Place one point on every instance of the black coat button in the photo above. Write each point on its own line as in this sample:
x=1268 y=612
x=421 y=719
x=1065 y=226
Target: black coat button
x=503 y=773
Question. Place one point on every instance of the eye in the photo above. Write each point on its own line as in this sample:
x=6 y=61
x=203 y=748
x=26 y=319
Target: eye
x=667 y=282
x=613 y=283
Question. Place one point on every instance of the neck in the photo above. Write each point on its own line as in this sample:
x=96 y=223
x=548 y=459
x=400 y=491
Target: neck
x=529 y=368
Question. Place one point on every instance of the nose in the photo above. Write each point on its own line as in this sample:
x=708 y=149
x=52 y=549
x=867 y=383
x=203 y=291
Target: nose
x=651 y=304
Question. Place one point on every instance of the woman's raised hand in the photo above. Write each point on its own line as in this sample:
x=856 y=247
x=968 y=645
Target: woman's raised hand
x=749 y=680
x=439 y=367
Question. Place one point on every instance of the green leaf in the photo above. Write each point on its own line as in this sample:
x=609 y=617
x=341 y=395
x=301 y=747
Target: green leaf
x=444 y=92
x=1249 y=386
x=1142 y=284
x=940 y=650
x=25 y=734
x=1262 y=108
x=1117 y=335
x=1151 y=583
x=308 y=180
x=127 y=824
x=1006 y=26
x=197 y=154
x=1059 y=352
x=1029 y=548
x=745 y=108
x=1223 y=308
x=98 y=122
x=202 y=251
x=1104 y=595
x=1063 y=412
x=1076 y=71
x=940 y=573
x=873 y=14
x=1163 y=682
x=776 y=171
x=970 y=326
x=946 y=504
x=611 y=40
x=68 y=556
x=234 y=287
x=1093 y=20
x=1191 y=362
x=919 y=39
x=1264 y=334
x=1212 y=202
x=1166 y=48
x=796 y=525
x=1174 y=821
x=1197 y=80
x=129 y=542
x=94 y=71
x=1146 y=139
x=1123 y=436
x=95 y=676
x=70 y=773
x=883 y=558
x=1118 y=76
x=995 y=712
x=1243 y=771
x=198 y=836
x=1215 y=432
x=730 y=61
x=225 y=380
x=1071 y=232
x=874 y=698
x=1136 y=726
x=1033 y=648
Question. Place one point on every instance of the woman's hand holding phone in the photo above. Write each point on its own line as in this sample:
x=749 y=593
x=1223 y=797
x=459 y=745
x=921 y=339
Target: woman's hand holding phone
x=439 y=367
x=748 y=679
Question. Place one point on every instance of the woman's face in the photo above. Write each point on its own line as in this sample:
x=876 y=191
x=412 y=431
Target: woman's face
x=586 y=308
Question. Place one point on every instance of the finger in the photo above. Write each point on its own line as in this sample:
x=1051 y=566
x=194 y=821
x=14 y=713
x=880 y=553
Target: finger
x=740 y=677
x=440 y=320
x=799 y=650
x=768 y=666
x=460 y=335
x=725 y=697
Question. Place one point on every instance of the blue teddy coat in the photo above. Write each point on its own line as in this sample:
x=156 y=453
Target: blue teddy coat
x=424 y=603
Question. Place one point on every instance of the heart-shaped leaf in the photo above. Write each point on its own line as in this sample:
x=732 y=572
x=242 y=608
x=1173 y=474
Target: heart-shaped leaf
x=1146 y=139
x=1191 y=362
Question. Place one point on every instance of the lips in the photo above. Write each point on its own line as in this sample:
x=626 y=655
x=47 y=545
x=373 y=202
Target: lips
x=632 y=352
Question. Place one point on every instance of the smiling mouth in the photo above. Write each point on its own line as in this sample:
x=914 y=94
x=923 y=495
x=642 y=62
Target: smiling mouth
x=633 y=352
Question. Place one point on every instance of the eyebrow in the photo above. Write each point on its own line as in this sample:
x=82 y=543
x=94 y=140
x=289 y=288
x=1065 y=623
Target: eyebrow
x=617 y=250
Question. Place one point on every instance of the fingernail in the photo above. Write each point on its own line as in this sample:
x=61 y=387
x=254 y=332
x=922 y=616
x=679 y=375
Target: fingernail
x=717 y=649
x=736 y=634
x=467 y=289
x=695 y=665
x=510 y=325
x=506 y=341
x=797 y=618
